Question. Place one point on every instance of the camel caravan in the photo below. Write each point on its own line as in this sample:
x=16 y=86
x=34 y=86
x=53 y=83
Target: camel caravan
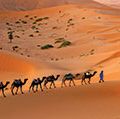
x=18 y=84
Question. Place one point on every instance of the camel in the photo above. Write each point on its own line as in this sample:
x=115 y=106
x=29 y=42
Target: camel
x=51 y=79
x=17 y=83
x=68 y=77
x=2 y=87
x=85 y=75
x=36 y=82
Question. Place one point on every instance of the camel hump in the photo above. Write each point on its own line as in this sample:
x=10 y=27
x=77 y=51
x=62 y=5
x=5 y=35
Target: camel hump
x=87 y=73
x=68 y=76
x=17 y=81
x=35 y=80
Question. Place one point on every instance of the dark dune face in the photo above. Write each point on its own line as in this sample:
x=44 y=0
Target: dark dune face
x=18 y=4
x=35 y=4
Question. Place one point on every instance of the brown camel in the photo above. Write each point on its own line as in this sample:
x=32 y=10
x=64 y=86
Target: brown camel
x=37 y=82
x=52 y=80
x=68 y=77
x=18 y=83
x=3 y=86
x=85 y=75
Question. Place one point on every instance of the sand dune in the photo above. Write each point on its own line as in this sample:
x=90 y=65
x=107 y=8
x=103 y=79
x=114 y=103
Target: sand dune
x=36 y=4
x=99 y=101
x=91 y=32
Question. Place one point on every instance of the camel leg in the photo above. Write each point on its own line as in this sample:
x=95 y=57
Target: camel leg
x=12 y=88
x=21 y=89
x=70 y=83
x=30 y=88
x=45 y=86
x=36 y=88
x=73 y=82
x=82 y=81
x=16 y=91
x=50 y=85
x=54 y=84
x=64 y=84
x=3 y=93
x=45 y=83
x=89 y=80
x=85 y=82
x=41 y=87
x=33 y=88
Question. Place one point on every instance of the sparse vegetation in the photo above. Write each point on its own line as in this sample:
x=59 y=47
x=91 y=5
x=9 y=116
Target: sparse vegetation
x=17 y=36
x=15 y=47
x=17 y=22
x=31 y=35
x=65 y=44
x=26 y=16
x=36 y=31
x=55 y=27
x=24 y=22
x=33 y=27
x=83 y=17
x=70 y=20
x=59 y=40
x=47 y=46
x=46 y=18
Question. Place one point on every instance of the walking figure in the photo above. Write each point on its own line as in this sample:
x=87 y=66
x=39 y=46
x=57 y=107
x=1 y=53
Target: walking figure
x=10 y=36
x=101 y=76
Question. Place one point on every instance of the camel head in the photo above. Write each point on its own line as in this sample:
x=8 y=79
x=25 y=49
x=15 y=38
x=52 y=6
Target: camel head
x=25 y=80
x=7 y=82
x=95 y=72
x=57 y=77
x=43 y=78
x=38 y=78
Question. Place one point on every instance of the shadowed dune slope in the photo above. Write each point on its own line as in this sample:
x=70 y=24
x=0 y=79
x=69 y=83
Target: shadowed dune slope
x=36 y=4
x=12 y=63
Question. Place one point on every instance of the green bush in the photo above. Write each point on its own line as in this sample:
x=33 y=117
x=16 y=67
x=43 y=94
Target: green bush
x=59 y=40
x=48 y=46
x=65 y=44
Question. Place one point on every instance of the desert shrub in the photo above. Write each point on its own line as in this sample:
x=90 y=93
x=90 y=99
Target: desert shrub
x=39 y=19
x=92 y=52
x=38 y=45
x=24 y=22
x=17 y=22
x=17 y=36
x=15 y=47
x=59 y=40
x=26 y=16
x=55 y=27
x=35 y=16
x=36 y=31
x=70 y=20
x=34 y=22
x=33 y=27
x=45 y=18
x=65 y=44
x=47 y=46
x=83 y=17
x=31 y=18
x=9 y=28
x=7 y=23
x=31 y=35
